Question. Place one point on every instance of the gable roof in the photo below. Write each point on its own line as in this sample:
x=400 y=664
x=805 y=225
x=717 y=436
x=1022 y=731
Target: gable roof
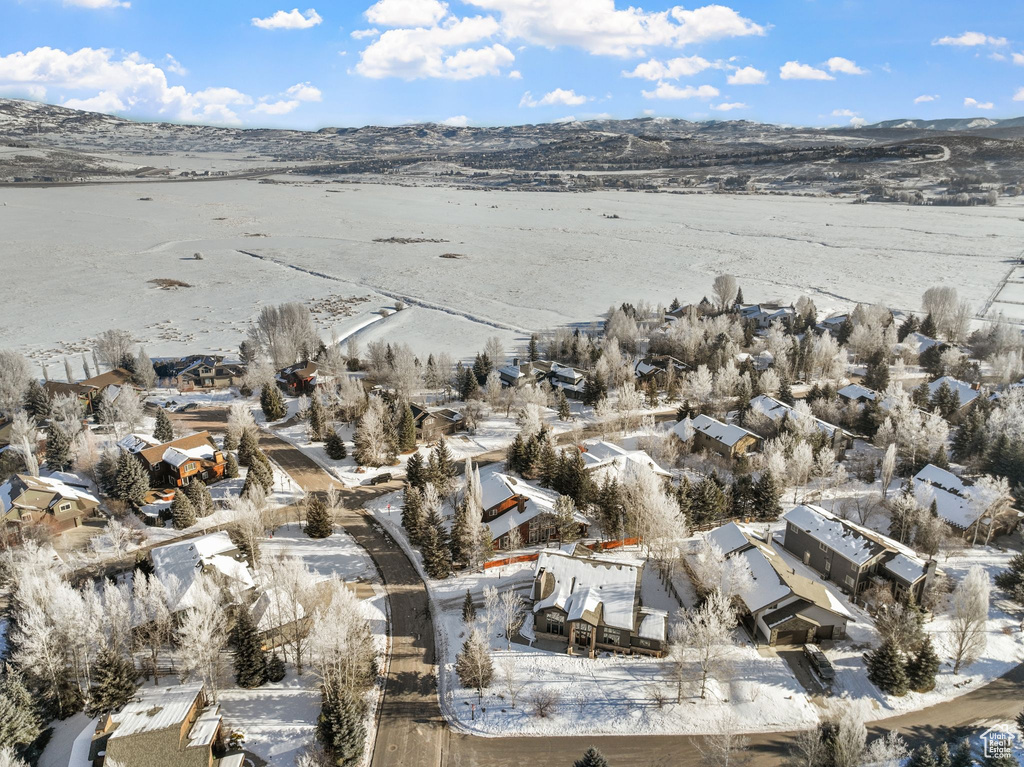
x=584 y=584
x=185 y=560
x=12 y=490
x=726 y=433
x=729 y=538
x=597 y=453
x=776 y=410
x=194 y=446
x=536 y=502
x=953 y=501
x=965 y=393
x=155 y=708
x=831 y=531
x=856 y=391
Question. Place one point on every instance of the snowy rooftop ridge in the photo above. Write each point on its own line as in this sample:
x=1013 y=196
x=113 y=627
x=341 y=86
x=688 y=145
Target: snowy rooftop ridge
x=953 y=500
x=965 y=392
x=185 y=560
x=826 y=528
x=726 y=433
x=776 y=410
x=582 y=584
x=155 y=709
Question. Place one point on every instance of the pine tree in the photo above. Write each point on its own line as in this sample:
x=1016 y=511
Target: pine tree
x=591 y=758
x=230 y=467
x=462 y=538
x=927 y=328
x=199 y=494
x=533 y=352
x=785 y=392
x=318 y=518
x=962 y=756
x=514 y=455
x=910 y=325
x=437 y=556
x=474 y=665
x=340 y=727
x=37 y=401
x=272 y=403
x=114 y=683
x=940 y=458
x=468 y=609
x=444 y=468
x=468 y=385
x=922 y=757
x=942 y=756
x=183 y=513
x=261 y=471
x=317 y=418
x=407 y=430
x=247 y=446
x=19 y=722
x=413 y=519
x=922 y=667
x=767 y=501
x=131 y=481
x=250 y=657
x=415 y=472
x=275 y=668
x=164 y=430
x=566 y=525
x=887 y=669
x=738 y=301
x=1000 y=760
x=1011 y=579
x=564 y=411
x=58 y=448
x=335 y=445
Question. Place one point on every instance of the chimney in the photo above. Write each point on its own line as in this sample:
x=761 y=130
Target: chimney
x=515 y=362
x=976 y=386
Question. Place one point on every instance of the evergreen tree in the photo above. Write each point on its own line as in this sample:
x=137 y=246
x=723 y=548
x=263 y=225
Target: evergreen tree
x=567 y=527
x=887 y=668
x=462 y=538
x=962 y=756
x=317 y=418
x=942 y=756
x=260 y=472
x=1000 y=760
x=533 y=352
x=58 y=448
x=19 y=722
x=743 y=493
x=910 y=325
x=474 y=665
x=318 y=518
x=468 y=609
x=114 y=683
x=164 y=431
x=785 y=392
x=922 y=667
x=876 y=375
x=468 y=385
x=413 y=519
x=922 y=757
x=415 y=471
x=250 y=657
x=564 y=412
x=183 y=513
x=37 y=401
x=230 y=467
x=1011 y=580
x=199 y=494
x=131 y=481
x=443 y=465
x=707 y=501
x=921 y=395
x=939 y=458
x=573 y=478
x=595 y=389
x=738 y=301
x=437 y=556
x=945 y=400
x=248 y=445
x=275 y=668
x=514 y=457
x=591 y=758
x=843 y=334
x=334 y=446
x=609 y=508
x=928 y=327
x=340 y=728
x=407 y=430
x=767 y=496
x=272 y=403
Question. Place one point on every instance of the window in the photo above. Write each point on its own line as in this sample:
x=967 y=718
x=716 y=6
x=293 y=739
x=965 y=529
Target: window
x=206 y=475
x=823 y=547
x=849 y=580
x=189 y=467
x=556 y=623
x=612 y=636
x=64 y=507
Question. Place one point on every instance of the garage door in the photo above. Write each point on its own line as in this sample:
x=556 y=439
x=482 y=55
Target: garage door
x=791 y=637
x=824 y=632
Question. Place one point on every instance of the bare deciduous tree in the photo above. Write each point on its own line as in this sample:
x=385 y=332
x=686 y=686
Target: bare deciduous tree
x=114 y=346
x=14 y=380
x=968 y=613
x=725 y=290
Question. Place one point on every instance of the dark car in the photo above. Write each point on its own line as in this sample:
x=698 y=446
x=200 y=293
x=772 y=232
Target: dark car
x=380 y=479
x=820 y=664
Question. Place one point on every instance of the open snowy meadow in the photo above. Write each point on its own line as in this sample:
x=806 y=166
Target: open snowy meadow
x=485 y=264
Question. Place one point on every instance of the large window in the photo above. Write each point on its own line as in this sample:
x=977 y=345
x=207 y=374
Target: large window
x=612 y=636
x=556 y=623
x=189 y=467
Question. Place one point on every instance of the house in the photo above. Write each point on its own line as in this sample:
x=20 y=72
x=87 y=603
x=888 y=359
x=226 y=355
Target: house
x=656 y=367
x=763 y=315
x=510 y=503
x=210 y=372
x=300 y=378
x=966 y=393
x=728 y=440
x=160 y=726
x=434 y=422
x=778 y=412
x=215 y=554
x=781 y=607
x=960 y=505
x=175 y=463
x=568 y=379
x=521 y=374
x=917 y=343
x=854 y=557
x=601 y=458
x=832 y=324
x=857 y=394
x=760 y=361
x=272 y=611
x=50 y=500
x=592 y=603
x=88 y=391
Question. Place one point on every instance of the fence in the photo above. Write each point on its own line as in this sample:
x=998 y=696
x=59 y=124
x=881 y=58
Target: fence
x=511 y=560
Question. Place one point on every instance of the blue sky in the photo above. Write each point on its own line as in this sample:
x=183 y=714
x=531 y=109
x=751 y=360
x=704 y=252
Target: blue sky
x=494 y=62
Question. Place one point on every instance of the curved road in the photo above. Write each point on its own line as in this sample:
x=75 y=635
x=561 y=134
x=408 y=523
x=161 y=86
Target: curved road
x=412 y=731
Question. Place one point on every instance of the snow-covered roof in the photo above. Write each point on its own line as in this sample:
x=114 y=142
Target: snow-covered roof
x=536 y=501
x=134 y=443
x=726 y=433
x=684 y=429
x=273 y=608
x=918 y=343
x=856 y=391
x=185 y=560
x=582 y=584
x=729 y=538
x=953 y=501
x=777 y=410
x=598 y=453
x=496 y=487
x=768 y=588
x=511 y=371
x=907 y=568
x=653 y=624
x=964 y=391
x=12 y=489
x=176 y=457
x=828 y=529
x=155 y=708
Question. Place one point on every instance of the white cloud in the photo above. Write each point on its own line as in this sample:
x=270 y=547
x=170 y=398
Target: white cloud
x=843 y=113
x=673 y=69
x=406 y=13
x=747 y=76
x=515 y=74
x=281 y=107
x=95 y=79
x=292 y=19
x=416 y=53
x=996 y=56
x=847 y=67
x=926 y=98
x=669 y=91
x=649 y=112
x=1018 y=59
x=794 y=70
x=557 y=96
x=174 y=66
x=304 y=92
x=729 y=106
x=458 y=121
x=975 y=104
x=597 y=26
x=970 y=39
x=1019 y=95
x=97 y=4
x=858 y=122
x=359 y=34
x=564 y=120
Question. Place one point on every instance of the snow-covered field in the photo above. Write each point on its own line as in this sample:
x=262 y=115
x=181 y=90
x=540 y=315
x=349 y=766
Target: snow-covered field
x=531 y=261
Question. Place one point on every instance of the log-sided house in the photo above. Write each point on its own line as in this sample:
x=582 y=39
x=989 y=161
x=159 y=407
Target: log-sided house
x=433 y=423
x=49 y=500
x=726 y=439
x=300 y=378
x=854 y=557
x=176 y=463
x=89 y=390
x=592 y=603
x=781 y=607
x=511 y=503
x=161 y=726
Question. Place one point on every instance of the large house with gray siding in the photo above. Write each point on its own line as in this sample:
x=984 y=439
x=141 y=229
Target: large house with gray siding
x=854 y=557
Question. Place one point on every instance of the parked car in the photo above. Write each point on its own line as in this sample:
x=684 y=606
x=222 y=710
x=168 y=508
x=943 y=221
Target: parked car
x=820 y=664
x=379 y=479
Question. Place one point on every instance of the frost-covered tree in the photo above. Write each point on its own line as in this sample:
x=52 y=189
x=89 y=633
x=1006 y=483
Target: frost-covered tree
x=114 y=347
x=152 y=601
x=294 y=581
x=968 y=613
x=888 y=468
x=271 y=403
x=183 y=513
x=199 y=494
x=653 y=516
x=374 y=445
x=725 y=290
x=163 y=431
x=703 y=636
x=131 y=481
x=284 y=333
x=318 y=518
x=474 y=665
x=512 y=609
